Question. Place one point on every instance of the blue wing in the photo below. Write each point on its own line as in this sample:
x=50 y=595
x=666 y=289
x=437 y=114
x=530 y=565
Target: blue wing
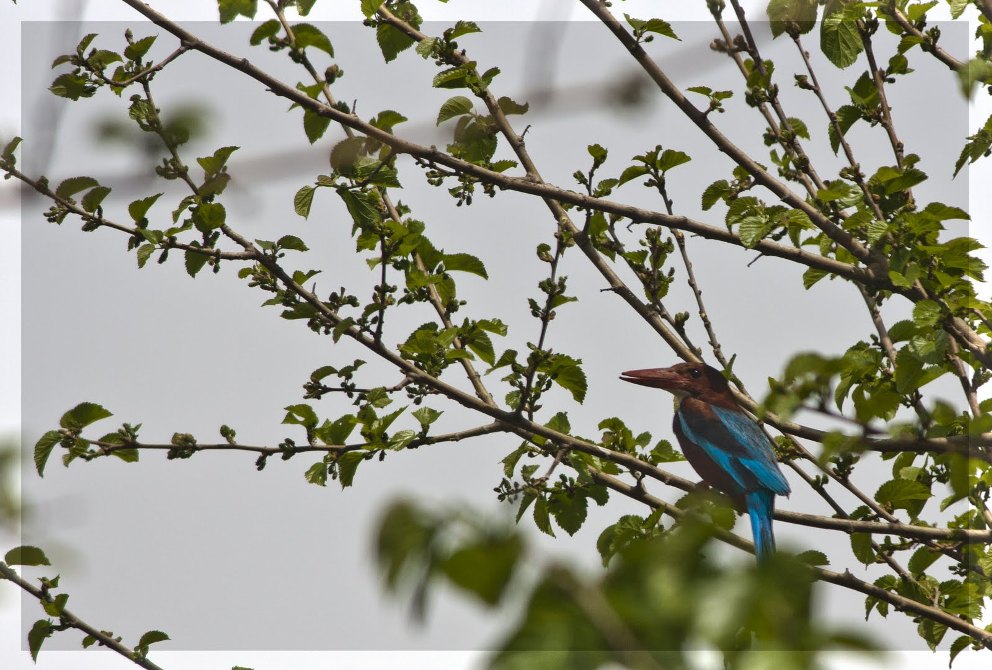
x=738 y=445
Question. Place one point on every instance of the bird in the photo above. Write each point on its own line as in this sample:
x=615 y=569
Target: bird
x=724 y=445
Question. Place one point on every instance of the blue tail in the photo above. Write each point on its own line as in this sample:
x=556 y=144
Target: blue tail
x=760 y=505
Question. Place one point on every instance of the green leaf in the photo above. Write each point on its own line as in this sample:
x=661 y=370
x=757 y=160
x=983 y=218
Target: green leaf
x=464 y=263
x=83 y=415
x=426 y=416
x=314 y=125
x=56 y=606
x=846 y=116
x=129 y=455
x=908 y=373
x=292 y=243
x=811 y=276
x=149 y=638
x=213 y=164
x=962 y=642
x=861 y=546
x=208 y=216
x=337 y=432
x=40 y=631
x=9 y=149
x=462 y=28
x=977 y=146
x=569 y=511
x=308 y=35
x=302 y=415
x=194 y=262
x=135 y=52
x=138 y=209
x=799 y=127
x=541 y=518
x=511 y=107
x=657 y=26
x=671 y=158
x=904 y=494
x=567 y=373
x=922 y=559
x=43 y=449
x=369 y=7
x=317 y=473
x=144 y=253
x=715 y=192
x=74 y=185
x=839 y=37
x=230 y=9
x=454 y=77
x=387 y=119
x=359 y=203
x=268 y=29
x=72 y=86
x=454 y=107
x=346 y=153
x=632 y=172
x=839 y=191
x=391 y=41
x=26 y=555
x=347 y=466
x=930 y=346
x=95 y=197
x=957 y=8
x=753 y=229
x=484 y=568
x=813 y=557
x=303 y=200
x=927 y=313
x=799 y=14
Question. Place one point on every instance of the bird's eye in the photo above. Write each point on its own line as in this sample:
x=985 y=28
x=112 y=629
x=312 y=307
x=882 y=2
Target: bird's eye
x=694 y=373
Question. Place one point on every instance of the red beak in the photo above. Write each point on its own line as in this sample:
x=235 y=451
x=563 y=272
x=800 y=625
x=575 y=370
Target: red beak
x=662 y=378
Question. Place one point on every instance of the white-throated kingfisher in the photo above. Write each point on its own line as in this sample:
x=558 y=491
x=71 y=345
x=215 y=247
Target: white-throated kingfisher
x=723 y=444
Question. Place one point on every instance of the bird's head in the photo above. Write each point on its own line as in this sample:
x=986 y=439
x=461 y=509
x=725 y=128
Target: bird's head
x=696 y=380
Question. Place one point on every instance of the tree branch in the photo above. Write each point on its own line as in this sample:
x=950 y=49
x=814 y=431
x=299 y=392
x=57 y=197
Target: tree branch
x=98 y=220
x=926 y=43
x=520 y=184
x=108 y=448
x=722 y=142
x=70 y=620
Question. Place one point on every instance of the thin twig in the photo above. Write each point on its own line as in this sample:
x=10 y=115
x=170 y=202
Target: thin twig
x=879 y=80
x=71 y=620
x=146 y=73
x=108 y=448
x=808 y=176
x=98 y=219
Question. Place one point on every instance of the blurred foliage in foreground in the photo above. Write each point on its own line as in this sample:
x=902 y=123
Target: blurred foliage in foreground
x=661 y=598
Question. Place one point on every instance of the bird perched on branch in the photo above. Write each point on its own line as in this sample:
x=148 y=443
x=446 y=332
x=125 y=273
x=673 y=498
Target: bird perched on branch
x=722 y=443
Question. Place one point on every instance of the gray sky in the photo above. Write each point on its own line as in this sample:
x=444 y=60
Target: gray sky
x=96 y=329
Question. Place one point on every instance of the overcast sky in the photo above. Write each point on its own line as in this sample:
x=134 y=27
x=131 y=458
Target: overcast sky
x=140 y=342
